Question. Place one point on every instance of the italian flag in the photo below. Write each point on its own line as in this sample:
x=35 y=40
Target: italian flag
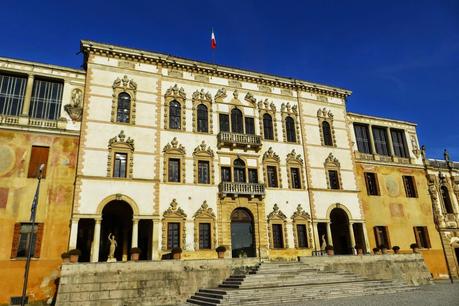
x=213 y=41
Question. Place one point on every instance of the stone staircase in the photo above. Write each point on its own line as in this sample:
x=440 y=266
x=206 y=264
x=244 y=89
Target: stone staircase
x=291 y=282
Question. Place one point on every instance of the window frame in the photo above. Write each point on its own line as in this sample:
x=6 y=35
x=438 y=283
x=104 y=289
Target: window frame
x=35 y=161
x=382 y=146
x=40 y=107
x=424 y=232
x=12 y=93
x=410 y=191
x=37 y=237
x=115 y=164
x=376 y=183
x=127 y=86
x=363 y=143
x=384 y=230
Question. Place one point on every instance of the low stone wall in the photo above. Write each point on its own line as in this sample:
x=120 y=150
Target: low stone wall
x=167 y=282
x=409 y=268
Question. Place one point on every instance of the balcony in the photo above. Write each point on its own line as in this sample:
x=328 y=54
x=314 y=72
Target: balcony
x=241 y=189
x=382 y=158
x=246 y=141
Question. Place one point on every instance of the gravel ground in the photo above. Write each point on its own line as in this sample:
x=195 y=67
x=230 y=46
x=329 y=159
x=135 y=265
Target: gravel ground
x=441 y=293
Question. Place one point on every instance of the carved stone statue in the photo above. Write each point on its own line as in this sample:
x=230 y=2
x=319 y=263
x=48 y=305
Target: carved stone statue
x=113 y=245
x=324 y=243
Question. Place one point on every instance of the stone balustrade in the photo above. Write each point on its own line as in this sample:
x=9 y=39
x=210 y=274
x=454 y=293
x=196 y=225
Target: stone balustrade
x=245 y=189
x=246 y=141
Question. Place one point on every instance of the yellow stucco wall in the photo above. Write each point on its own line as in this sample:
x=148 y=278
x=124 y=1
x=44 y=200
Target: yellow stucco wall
x=54 y=208
x=399 y=213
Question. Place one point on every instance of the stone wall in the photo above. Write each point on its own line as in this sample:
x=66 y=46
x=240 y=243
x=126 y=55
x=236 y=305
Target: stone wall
x=408 y=268
x=143 y=283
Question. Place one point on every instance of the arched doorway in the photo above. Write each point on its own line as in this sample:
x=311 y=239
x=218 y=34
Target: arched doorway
x=340 y=232
x=242 y=233
x=116 y=219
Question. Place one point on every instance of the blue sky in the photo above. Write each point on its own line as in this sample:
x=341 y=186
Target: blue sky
x=400 y=58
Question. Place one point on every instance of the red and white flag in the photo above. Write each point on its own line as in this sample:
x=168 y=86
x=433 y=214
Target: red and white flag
x=213 y=41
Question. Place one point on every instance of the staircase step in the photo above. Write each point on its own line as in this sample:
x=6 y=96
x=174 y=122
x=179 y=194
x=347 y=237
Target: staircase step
x=206 y=299
x=194 y=301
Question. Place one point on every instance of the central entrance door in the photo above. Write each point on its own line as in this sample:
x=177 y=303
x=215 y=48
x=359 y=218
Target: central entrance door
x=340 y=232
x=242 y=233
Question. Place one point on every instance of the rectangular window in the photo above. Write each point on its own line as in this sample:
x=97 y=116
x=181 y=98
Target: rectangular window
x=302 y=235
x=203 y=172
x=174 y=170
x=278 y=239
x=372 y=183
x=226 y=174
x=333 y=179
x=23 y=235
x=204 y=236
x=272 y=176
x=382 y=236
x=296 y=180
x=12 y=90
x=38 y=156
x=173 y=235
x=380 y=138
x=120 y=165
x=362 y=137
x=399 y=143
x=249 y=126
x=46 y=99
x=253 y=176
x=410 y=186
x=422 y=237
x=224 y=122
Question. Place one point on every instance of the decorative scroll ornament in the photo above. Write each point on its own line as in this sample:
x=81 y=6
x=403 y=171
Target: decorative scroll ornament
x=203 y=148
x=75 y=109
x=332 y=160
x=276 y=214
x=250 y=98
x=205 y=211
x=220 y=95
x=324 y=113
x=174 y=145
x=300 y=213
x=288 y=108
x=176 y=92
x=121 y=139
x=265 y=105
x=270 y=154
x=201 y=95
x=125 y=83
x=292 y=156
x=174 y=210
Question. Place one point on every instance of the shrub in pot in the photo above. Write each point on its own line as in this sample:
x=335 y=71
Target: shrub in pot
x=396 y=249
x=359 y=249
x=329 y=249
x=66 y=257
x=74 y=255
x=414 y=247
x=376 y=251
x=176 y=253
x=135 y=253
x=221 y=251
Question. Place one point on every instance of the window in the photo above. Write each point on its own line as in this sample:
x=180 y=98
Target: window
x=272 y=176
x=46 y=100
x=278 y=241
x=12 y=90
x=173 y=235
x=119 y=167
x=422 y=236
x=22 y=235
x=239 y=171
x=237 y=125
x=268 y=131
x=224 y=123
x=446 y=200
x=174 y=170
x=290 y=129
x=326 y=131
x=226 y=174
x=204 y=236
x=362 y=137
x=253 y=176
x=333 y=179
x=203 y=172
x=372 y=183
x=249 y=126
x=380 y=137
x=124 y=108
x=399 y=143
x=296 y=179
x=38 y=156
x=410 y=186
x=175 y=115
x=203 y=121
x=382 y=236
x=302 y=235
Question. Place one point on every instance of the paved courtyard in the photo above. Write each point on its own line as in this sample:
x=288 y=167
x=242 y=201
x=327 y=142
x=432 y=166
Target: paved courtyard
x=441 y=293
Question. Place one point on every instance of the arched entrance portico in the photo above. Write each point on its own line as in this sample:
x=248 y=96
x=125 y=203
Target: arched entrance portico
x=242 y=233
x=340 y=232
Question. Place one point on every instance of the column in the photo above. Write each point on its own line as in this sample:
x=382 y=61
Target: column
x=365 y=237
x=28 y=96
x=372 y=140
x=73 y=233
x=317 y=241
x=329 y=235
x=135 y=233
x=96 y=241
x=155 y=245
x=389 y=140
x=352 y=236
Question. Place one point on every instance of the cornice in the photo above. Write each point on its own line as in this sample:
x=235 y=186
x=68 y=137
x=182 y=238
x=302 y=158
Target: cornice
x=355 y=117
x=31 y=64
x=173 y=62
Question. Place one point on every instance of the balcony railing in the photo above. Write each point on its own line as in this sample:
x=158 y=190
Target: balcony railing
x=244 y=189
x=382 y=158
x=239 y=140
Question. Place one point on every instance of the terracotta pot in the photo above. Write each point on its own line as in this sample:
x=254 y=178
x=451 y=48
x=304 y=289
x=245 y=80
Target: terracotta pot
x=416 y=250
x=135 y=256
x=396 y=251
x=177 y=255
x=330 y=252
x=221 y=254
x=74 y=258
x=359 y=252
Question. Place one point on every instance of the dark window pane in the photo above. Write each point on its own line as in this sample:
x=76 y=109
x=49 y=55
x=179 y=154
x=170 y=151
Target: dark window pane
x=124 y=108
x=278 y=239
x=249 y=126
x=46 y=99
x=237 y=125
x=24 y=239
x=268 y=131
x=290 y=127
x=226 y=174
x=203 y=120
x=362 y=137
x=302 y=235
x=333 y=178
x=175 y=115
x=12 y=90
x=239 y=171
x=382 y=236
x=399 y=143
x=174 y=170
x=253 y=176
x=422 y=236
x=119 y=167
x=173 y=235
x=327 y=134
x=203 y=172
x=372 y=183
x=446 y=200
x=204 y=236
x=410 y=186
x=380 y=137
x=272 y=176
x=224 y=123
x=296 y=181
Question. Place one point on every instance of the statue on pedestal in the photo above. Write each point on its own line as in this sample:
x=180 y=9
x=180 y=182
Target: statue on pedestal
x=113 y=245
x=324 y=243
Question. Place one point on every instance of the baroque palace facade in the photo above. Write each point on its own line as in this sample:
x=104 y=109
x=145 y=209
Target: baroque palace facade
x=165 y=152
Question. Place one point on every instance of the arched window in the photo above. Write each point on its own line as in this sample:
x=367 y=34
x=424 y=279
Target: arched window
x=124 y=108
x=237 y=125
x=203 y=122
x=175 y=115
x=239 y=171
x=446 y=200
x=290 y=129
x=268 y=127
x=326 y=131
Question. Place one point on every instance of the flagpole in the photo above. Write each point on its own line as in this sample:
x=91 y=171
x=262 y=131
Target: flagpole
x=213 y=46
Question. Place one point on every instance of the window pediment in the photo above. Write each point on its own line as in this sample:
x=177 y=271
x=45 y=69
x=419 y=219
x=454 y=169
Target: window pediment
x=271 y=155
x=203 y=150
x=250 y=98
x=220 y=95
x=205 y=212
x=174 y=211
x=276 y=214
x=120 y=141
x=174 y=147
x=265 y=105
x=300 y=214
x=125 y=83
x=324 y=113
x=295 y=158
x=201 y=96
x=176 y=93
x=287 y=108
x=331 y=161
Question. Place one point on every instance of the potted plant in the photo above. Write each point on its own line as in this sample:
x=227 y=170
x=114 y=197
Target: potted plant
x=176 y=253
x=396 y=249
x=329 y=249
x=359 y=249
x=414 y=247
x=242 y=254
x=135 y=253
x=383 y=248
x=74 y=255
x=376 y=251
x=66 y=257
x=221 y=251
